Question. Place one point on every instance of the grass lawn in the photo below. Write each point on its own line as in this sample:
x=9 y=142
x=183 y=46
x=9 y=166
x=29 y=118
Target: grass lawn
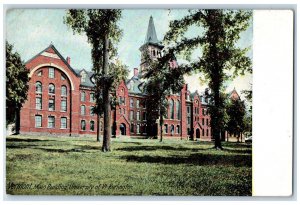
x=76 y=166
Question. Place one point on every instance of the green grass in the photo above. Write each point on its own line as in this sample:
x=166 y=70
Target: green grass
x=76 y=166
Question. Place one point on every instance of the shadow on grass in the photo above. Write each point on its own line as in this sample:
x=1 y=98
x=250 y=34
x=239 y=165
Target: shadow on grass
x=195 y=159
x=27 y=140
x=158 y=147
x=238 y=151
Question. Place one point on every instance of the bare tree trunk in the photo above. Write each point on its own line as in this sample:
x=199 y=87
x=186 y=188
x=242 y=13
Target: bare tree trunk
x=106 y=101
x=217 y=130
x=161 y=122
x=98 y=128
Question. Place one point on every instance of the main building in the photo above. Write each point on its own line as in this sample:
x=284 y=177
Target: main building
x=61 y=99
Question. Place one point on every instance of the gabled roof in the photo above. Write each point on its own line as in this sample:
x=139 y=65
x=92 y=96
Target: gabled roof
x=51 y=49
x=135 y=85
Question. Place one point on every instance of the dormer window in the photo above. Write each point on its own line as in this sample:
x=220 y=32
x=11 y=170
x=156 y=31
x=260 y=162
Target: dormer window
x=83 y=77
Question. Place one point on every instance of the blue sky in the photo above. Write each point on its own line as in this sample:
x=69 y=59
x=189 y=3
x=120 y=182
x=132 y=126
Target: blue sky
x=32 y=30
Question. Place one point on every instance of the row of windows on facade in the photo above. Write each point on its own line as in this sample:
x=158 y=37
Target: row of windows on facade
x=63 y=106
x=197 y=119
x=51 y=74
x=63 y=123
x=196 y=110
x=138 y=115
x=51 y=90
x=172 y=129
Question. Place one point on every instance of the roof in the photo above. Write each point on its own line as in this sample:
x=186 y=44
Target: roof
x=88 y=82
x=151 y=37
x=51 y=46
x=135 y=85
x=151 y=33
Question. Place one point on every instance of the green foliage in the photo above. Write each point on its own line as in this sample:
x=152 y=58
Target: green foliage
x=236 y=112
x=135 y=167
x=161 y=81
x=222 y=30
x=16 y=83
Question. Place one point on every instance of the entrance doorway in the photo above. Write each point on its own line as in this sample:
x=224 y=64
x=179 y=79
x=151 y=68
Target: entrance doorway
x=123 y=129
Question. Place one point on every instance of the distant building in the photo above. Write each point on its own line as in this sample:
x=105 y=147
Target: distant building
x=60 y=100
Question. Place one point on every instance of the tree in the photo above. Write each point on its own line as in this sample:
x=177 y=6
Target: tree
x=248 y=116
x=236 y=112
x=16 y=86
x=103 y=33
x=162 y=78
x=219 y=53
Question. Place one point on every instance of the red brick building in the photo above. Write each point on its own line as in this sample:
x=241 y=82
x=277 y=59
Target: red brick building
x=60 y=100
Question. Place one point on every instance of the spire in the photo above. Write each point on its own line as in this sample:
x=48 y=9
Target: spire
x=151 y=33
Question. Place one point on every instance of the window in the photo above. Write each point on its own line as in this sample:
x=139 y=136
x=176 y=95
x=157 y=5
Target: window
x=62 y=77
x=189 y=120
x=137 y=128
x=202 y=132
x=64 y=90
x=178 y=129
x=40 y=73
x=207 y=122
x=188 y=109
x=92 y=111
x=38 y=121
x=83 y=125
x=63 y=105
x=63 y=123
x=51 y=72
x=51 y=104
x=202 y=121
x=207 y=132
x=51 y=89
x=137 y=103
x=132 y=128
x=178 y=109
x=38 y=103
x=38 y=87
x=131 y=114
x=172 y=129
x=203 y=111
x=82 y=96
x=166 y=128
x=92 y=125
x=144 y=116
x=122 y=100
x=131 y=102
x=83 y=77
x=138 y=115
x=92 y=97
x=120 y=110
x=51 y=122
x=82 y=110
x=171 y=106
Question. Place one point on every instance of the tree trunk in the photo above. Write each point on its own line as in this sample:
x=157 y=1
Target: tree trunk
x=106 y=100
x=17 y=125
x=217 y=130
x=98 y=127
x=161 y=122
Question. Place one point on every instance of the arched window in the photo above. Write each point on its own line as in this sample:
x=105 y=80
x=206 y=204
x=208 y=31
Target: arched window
x=178 y=109
x=83 y=125
x=178 y=129
x=64 y=90
x=132 y=127
x=171 y=107
x=51 y=89
x=131 y=102
x=82 y=110
x=172 y=129
x=166 y=128
x=38 y=87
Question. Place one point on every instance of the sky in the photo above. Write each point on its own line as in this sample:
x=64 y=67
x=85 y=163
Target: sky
x=32 y=30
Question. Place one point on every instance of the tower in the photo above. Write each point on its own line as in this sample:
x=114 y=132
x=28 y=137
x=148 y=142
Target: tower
x=151 y=46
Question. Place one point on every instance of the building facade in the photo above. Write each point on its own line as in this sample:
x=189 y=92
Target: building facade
x=61 y=99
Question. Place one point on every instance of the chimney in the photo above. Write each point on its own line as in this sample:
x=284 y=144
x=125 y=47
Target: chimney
x=69 y=60
x=136 y=72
